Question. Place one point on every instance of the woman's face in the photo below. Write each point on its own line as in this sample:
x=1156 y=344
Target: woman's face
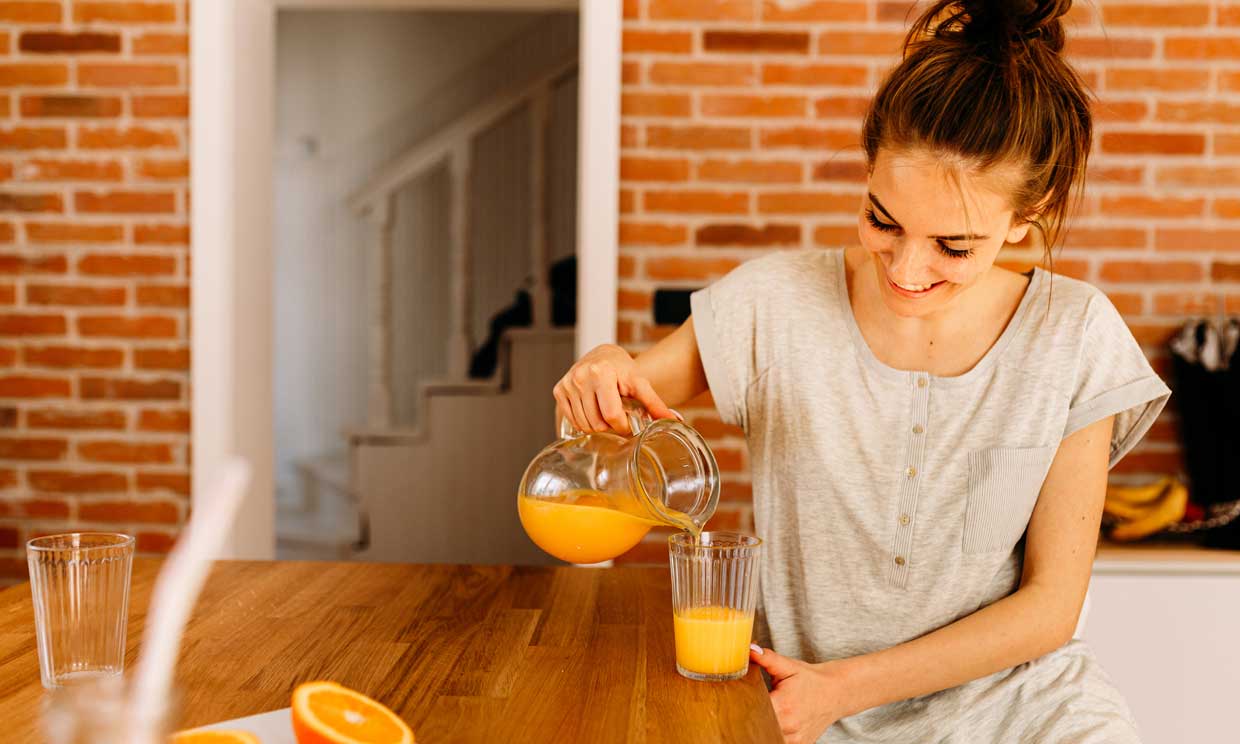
x=930 y=245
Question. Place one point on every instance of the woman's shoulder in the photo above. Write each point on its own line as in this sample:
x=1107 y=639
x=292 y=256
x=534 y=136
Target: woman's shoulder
x=1070 y=308
x=806 y=269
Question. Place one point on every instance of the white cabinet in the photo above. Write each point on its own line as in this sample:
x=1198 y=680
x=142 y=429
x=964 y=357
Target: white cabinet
x=1165 y=623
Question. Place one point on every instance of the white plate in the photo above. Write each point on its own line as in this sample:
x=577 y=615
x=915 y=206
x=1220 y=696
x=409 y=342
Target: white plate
x=273 y=727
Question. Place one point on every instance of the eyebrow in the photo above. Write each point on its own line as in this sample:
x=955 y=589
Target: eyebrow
x=881 y=208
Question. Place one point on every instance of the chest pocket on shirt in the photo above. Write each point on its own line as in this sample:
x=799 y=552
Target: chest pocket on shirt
x=1004 y=483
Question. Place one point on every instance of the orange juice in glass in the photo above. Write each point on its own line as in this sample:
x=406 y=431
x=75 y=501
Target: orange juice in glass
x=714 y=592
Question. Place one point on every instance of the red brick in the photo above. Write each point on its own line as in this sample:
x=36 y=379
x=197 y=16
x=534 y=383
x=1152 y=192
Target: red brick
x=750 y=171
x=177 y=420
x=126 y=265
x=630 y=73
x=1127 y=303
x=753 y=106
x=8 y=294
x=1227 y=208
x=33 y=138
x=1199 y=176
x=1121 y=111
x=760 y=42
x=59 y=418
x=698 y=137
x=672 y=42
x=73 y=357
x=16 y=324
x=701 y=269
x=1150 y=271
x=835 y=236
x=32 y=74
x=842 y=107
x=55 y=42
x=1148 y=206
x=627 y=299
x=813 y=10
x=39 y=508
x=164 y=170
x=626 y=267
x=1229 y=81
x=697 y=74
x=1150 y=462
x=32 y=448
x=44 y=169
x=870 y=43
x=1226 y=144
x=650 y=233
x=645 y=553
x=1109 y=47
x=653 y=169
x=814 y=75
x=124 y=12
x=632 y=9
x=696 y=202
x=10 y=202
x=628 y=201
x=748 y=235
x=103 y=388
x=712 y=428
x=161 y=44
x=1176 y=79
x=25 y=386
x=809 y=138
x=161 y=234
x=125 y=452
x=165 y=295
x=71 y=106
x=30 y=12
x=1153 y=143
x=170 y=359
x=1209 y=240
x=701 y=10
x=125 y=202
x=847 y=171
x=1176 y=14
x=654 y=104
x=1229 y=15
x=57 y=232
x=121 y=326
x=16 y=264
x=1209 y=48
x=1225 y=272
x=160 y=107
x=125 y=138
x=66 y=481
x=806 y=202
x=1194 y=303
x=1199 y=112
x=155 y=542
x=50 y=294
x=1105 y=237
x=162 y=512
x=178 y=483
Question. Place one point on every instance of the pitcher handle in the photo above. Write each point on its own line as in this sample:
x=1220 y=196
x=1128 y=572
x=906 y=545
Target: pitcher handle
x=639 y=418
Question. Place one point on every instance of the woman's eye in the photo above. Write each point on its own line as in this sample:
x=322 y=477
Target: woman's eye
x=953 y=253
x=884 y=226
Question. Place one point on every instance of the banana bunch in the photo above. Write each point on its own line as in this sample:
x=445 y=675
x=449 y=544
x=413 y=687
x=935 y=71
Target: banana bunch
x=1141 y=511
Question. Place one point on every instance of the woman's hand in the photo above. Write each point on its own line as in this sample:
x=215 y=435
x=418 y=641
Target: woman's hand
x=589 y=394
x=807 y=698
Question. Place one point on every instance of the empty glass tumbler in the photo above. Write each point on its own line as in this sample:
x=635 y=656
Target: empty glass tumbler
x=80 y=586
x=714 y=592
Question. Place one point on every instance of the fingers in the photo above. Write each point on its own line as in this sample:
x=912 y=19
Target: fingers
x=644 y=392
x=607 y=396
x=779 y=667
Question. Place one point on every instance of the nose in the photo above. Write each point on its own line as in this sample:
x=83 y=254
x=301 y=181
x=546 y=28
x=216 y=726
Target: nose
x=910 y=263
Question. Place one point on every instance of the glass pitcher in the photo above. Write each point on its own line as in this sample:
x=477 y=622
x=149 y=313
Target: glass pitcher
x=591 y=497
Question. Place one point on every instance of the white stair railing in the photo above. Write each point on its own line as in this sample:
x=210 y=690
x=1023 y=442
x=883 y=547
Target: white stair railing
x=453 y=145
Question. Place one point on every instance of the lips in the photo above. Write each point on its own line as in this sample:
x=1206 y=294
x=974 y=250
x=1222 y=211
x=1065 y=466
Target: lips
x=912 y=290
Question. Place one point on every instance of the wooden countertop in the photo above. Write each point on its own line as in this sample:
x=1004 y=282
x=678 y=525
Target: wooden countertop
x=463 y=654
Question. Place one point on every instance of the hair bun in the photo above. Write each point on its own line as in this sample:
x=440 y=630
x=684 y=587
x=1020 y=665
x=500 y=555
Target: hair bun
x=1006 y=22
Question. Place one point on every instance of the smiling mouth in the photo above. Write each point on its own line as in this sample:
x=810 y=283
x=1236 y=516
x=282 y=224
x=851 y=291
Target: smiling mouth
x=913 y=289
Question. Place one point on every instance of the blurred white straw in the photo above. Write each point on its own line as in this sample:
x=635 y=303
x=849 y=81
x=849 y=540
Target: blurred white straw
x=179 y=583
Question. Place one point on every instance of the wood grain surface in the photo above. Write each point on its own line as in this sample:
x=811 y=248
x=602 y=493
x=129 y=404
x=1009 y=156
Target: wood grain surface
x=462 y=653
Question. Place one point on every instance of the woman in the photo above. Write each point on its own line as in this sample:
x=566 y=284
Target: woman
x=929 y=433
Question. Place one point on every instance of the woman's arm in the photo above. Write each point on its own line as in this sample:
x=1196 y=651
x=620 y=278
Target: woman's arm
x=1036 y=619
x=674 y=366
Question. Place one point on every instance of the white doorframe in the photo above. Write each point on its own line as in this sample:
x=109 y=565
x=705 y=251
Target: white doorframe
x=232 y=73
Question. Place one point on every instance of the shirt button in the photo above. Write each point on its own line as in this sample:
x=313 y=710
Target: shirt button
x=899 y=560
x=917 y=429
x=922 y=382
x=911 y=472
x=904 y=519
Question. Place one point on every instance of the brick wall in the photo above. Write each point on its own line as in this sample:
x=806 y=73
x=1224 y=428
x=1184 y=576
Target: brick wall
x=740 y=122
x=94 y=265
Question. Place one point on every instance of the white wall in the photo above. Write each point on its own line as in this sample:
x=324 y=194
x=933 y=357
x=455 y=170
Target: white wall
x=354 y=90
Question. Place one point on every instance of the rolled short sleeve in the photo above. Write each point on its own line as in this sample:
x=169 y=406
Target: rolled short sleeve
x=725 y=321
x=1114 y=378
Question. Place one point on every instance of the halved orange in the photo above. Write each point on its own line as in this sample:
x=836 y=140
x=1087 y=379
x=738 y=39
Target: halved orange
x=198 y=736
x=328 y=713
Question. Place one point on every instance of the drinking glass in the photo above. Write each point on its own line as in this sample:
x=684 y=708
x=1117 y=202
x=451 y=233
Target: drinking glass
x=80 y=586
x=714 y=591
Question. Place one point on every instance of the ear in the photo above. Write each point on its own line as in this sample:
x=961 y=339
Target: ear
x=1018 y=232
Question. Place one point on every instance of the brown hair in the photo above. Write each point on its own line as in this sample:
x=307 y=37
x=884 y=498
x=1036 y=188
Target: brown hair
x=982 y=84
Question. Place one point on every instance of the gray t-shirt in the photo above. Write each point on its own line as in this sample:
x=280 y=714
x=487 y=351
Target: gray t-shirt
x=895 y=502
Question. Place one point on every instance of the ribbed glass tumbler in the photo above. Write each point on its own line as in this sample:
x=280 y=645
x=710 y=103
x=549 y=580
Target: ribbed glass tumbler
x=714 y=591
x=80 y=586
